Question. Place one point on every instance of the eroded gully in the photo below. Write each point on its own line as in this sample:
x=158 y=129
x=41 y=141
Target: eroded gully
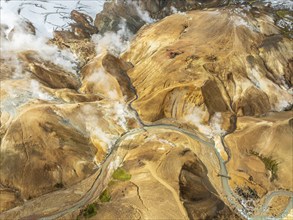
x=233 y=199
x=104 y=173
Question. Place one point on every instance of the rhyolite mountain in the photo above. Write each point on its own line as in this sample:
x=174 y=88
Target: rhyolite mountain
x=193 y=120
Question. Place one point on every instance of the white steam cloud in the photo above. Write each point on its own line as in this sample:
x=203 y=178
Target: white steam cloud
x=19 y=95
x=176 y=11
x=280 y=98
x=21 y=40
x=97 y=128
x=101 y=79
x=209 y=130
x=144 y=15
x=120 y=114
x=117 y=43
x=215 y=124
x=38 y=93
x=114 y=43
x=114 y=164
x=107 y=139
x=102 y=129
x=195 y=118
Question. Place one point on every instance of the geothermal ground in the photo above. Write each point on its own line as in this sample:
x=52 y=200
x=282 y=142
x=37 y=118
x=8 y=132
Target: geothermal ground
x=146 y=109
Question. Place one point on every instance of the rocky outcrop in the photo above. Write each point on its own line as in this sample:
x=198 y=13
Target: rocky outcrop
x=83 y=48
x=55 y=156
x=199 y=197
x=48 y=73
x=135 y=13
x=83 y=27
x=77 y=38
x=113 y=15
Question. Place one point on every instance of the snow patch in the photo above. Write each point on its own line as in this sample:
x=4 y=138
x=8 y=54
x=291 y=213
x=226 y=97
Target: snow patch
x=46 y=15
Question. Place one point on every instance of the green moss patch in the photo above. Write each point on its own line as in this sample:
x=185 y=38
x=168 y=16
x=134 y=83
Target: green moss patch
x=121 y=174
x=283 y=13
x=90 y=210
x=251 y=2
x=105 y=196
x=270 y=164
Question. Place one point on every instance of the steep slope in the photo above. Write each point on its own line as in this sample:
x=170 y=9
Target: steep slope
x=162 y=175
x=225 y=72
x=224 y=60
x=54 y=132
x=261 y=150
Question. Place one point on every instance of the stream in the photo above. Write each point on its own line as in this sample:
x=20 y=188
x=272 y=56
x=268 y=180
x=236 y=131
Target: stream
x=232 y=198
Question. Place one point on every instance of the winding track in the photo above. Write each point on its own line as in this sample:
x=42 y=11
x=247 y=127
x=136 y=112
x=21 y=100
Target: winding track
x=104 y=174
x=229 y=193
x=232 y=198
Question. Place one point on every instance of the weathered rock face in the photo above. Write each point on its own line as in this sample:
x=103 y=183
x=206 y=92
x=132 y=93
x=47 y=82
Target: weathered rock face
x=83 y=27
x=215 y=60
x=199 y=197
x=78 y=37
x=159 y=9
x=55 y=154
x=112 y=16
x=84 y=49
x=48 y=73
x=135 y=13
